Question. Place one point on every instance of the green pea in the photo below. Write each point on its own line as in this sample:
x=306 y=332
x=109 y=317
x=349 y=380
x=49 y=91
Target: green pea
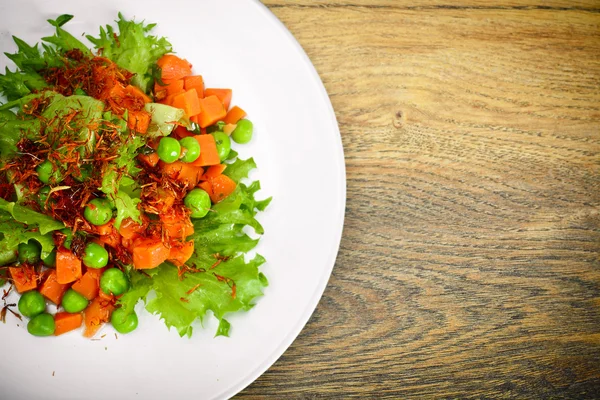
x=243 y=131
x=73 y=302
x=7 y=256
x=95 y=256
x=41 y=325
x=31 y=303
x=29 y=252
x=50 y=260
x=223 y=144
x=123 y=321
x=80 y=92
x=98 y=211
x=198 y=201
x=192 y=149
x=114 y=281
x=44 y=171
x=47 y=173
x=168 y=149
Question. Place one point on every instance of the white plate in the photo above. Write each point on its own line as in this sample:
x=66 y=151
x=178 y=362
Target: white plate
x=241 y=45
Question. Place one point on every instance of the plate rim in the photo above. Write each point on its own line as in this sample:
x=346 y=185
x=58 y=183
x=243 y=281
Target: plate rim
x=317 y=295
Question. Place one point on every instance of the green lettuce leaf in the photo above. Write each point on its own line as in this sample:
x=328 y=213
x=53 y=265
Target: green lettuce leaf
x=162 y=120
x=13 y=233
x=117 y=183
x=127 y=207
x=141 y=284
x=18 y=103
x=30 y=60
x=239 y=169
x=82 y=127
x=9 y=134
x=179 y=303
x=125 y=164
x=128 y=153
x=218 y=235
x=34 y=219
x=14 y=85
x=223 y=329
x=132 y=49
x=125 y=204
x=86 y=118
x=62 y=39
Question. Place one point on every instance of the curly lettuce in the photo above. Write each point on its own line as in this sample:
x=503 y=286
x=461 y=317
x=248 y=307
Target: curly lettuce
x=226 y=282
x=133 y=49
x=30 y=60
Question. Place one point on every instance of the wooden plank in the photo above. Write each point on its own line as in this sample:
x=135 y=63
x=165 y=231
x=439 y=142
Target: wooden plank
x=559 y=5
x=469 y=265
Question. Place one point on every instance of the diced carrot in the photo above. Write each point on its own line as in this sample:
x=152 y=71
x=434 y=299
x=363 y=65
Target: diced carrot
x=44 y=274
x=188 y=101
x=109 y=235
x=169 y=99
x=89 y=284
x=184 y=173
x=68 y=266
x=129 y=228
x=172 y=86
x=181 y=252
x=207 y=187
x=160 y=95
x=149 y=159
x=222 y=186
x=208 y=151
x=105 y=229
x=234 y=115
x=153 y=143
x=139 y=121
x=177 y=226
x=97 y=313
x=149 y=253
x=213 y=171
x=180 y=132
x=117 y=91
x=52 y=290
x=165 y=200
x=224 y=95
x=128 y=243
x=173 y=67
x=229 y=128
x=194 y=82
x=113 y=239
x=107 y=296
x=24 y=278
x=212 y=111
x=137 y=92
x=65 y=322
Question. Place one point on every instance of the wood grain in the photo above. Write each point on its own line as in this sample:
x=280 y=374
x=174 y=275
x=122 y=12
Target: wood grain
x=470 y=261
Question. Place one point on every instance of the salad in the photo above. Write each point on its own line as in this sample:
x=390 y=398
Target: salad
x=119 y=184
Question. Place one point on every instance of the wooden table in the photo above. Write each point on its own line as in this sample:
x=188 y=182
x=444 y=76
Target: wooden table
x=470 y=261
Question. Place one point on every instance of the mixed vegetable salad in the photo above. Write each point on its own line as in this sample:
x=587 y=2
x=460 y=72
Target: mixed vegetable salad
x=118 y=184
